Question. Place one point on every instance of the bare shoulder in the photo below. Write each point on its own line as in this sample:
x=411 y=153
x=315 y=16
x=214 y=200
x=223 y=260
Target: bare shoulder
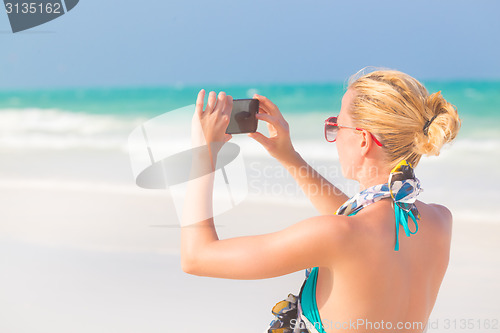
x=434 y=209
x=323 y=240
x=337 y=231
x=440 y=223
x=443 y=210
x=336 y=226
x=440 y=218
x=444 y=214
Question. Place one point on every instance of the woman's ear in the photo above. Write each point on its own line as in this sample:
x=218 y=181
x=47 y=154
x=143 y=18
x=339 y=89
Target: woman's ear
x=366 y=142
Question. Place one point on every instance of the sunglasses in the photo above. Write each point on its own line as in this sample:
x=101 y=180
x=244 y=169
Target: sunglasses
x=332 y=128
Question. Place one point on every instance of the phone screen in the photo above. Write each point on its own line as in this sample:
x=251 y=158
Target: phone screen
x=243 y=116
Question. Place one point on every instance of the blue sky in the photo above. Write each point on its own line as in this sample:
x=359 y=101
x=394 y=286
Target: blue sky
x=149 y=43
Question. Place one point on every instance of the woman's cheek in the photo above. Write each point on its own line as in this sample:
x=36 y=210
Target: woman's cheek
x=342 y=160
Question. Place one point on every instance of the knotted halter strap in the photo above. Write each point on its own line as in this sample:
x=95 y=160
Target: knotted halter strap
x=403 y=187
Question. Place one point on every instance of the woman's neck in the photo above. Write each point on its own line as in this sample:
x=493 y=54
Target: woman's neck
x=371 y=176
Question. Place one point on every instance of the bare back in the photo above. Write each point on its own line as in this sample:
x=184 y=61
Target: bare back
x=372 y=282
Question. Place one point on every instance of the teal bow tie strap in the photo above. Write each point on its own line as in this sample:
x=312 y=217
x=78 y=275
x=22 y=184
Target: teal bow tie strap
x=403 y=187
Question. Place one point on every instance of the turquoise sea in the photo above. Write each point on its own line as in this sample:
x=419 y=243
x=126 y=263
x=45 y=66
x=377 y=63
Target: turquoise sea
x=478 y=104
x=478 y=98
x=100 y=120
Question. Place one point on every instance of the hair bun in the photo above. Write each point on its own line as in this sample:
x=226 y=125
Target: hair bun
x=399 y=111
x=439 y=127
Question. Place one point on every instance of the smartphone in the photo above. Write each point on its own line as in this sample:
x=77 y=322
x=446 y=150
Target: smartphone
x=243 y=118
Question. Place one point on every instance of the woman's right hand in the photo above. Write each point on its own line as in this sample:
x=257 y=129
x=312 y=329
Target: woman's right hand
x=278 y=144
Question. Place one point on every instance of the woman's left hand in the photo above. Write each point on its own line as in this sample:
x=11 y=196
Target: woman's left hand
x=210 y=126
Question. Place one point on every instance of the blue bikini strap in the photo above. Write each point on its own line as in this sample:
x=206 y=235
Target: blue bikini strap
x=402 y=219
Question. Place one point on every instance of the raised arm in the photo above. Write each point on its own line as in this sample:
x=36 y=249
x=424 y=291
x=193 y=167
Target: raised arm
x=312 y=242
x=323 y=195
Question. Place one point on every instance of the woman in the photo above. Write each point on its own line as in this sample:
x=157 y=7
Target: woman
x=362 y=275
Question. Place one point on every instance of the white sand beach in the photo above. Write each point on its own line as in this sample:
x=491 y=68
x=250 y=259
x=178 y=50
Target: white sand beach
x=84 y=250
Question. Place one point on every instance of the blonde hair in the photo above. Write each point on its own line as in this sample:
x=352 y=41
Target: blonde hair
x=396 y=108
